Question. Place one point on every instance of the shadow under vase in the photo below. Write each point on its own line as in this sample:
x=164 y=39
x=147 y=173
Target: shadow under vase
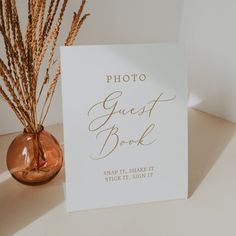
x=21 y=205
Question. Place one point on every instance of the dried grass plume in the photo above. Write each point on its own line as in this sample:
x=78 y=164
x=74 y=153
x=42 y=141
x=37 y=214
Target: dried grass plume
x=20 y=84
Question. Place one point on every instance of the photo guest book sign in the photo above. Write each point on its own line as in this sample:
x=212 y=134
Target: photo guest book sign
x=125 y=124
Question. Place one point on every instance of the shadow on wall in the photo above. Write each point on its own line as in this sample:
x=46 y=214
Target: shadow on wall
x=210 y=42
x=208 y=137
x=133 y=21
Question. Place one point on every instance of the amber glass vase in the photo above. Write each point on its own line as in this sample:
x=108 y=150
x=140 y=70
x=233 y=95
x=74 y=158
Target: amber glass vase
x=34 y=158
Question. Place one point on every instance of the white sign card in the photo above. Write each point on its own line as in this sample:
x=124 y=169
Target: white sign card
x=125 y=124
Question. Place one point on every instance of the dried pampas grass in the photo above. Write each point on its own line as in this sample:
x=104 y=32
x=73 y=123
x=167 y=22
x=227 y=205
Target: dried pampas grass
x=19 y=76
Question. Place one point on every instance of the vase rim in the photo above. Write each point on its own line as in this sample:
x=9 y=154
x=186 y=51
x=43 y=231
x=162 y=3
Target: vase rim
x=27 y=130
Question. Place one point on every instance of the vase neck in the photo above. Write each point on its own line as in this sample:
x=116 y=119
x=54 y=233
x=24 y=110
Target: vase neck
x=27 y=130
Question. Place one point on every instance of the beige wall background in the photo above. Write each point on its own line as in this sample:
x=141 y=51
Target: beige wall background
x=207 y=27
x=209 y=32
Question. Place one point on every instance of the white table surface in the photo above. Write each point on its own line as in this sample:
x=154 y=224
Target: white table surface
x=210 y=209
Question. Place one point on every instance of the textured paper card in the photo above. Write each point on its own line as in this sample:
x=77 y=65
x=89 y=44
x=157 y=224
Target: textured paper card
x=125 y=124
